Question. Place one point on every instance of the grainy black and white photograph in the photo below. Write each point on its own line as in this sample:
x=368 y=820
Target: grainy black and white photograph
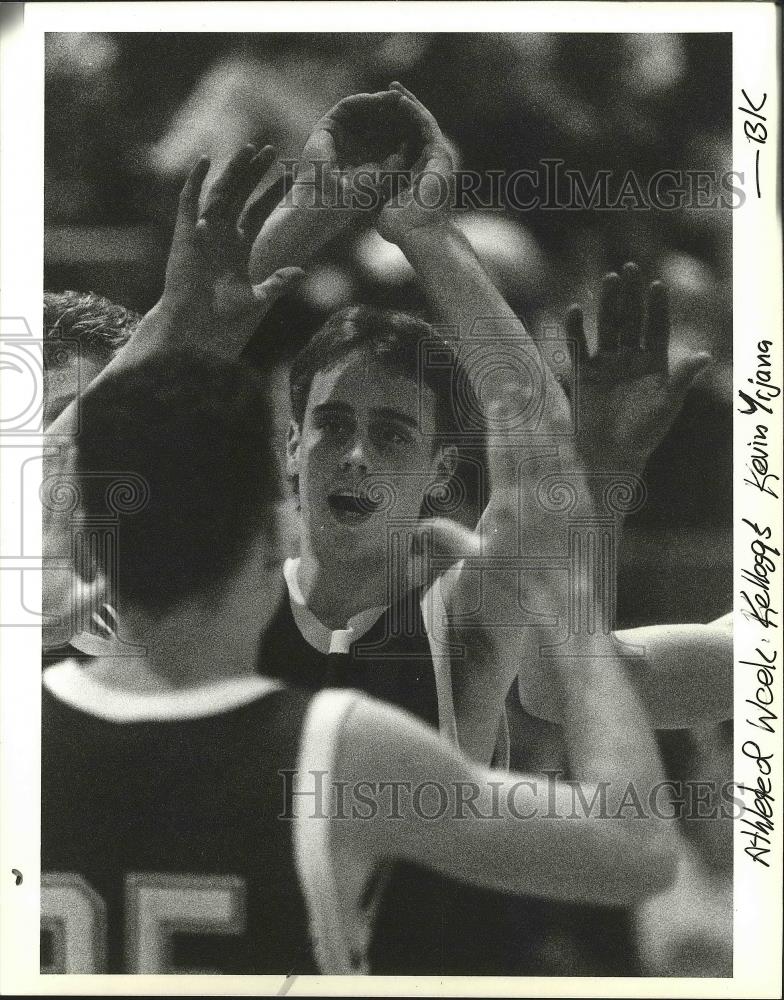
x=389 y=529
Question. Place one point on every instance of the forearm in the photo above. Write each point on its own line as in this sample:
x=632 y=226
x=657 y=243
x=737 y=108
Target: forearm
x=462 y=296
x=452 y=278
x=301 y=225
x=505 y=836
x=480 y=686
x=683 y=677
x=608 y=735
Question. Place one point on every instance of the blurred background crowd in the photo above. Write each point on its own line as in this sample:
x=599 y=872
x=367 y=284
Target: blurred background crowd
x=127 y=115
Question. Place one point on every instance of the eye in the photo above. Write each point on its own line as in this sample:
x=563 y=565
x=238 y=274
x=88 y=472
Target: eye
x=394 y=436
x=333 y=424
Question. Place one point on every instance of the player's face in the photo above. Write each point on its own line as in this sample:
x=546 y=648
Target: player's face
x=364 y=455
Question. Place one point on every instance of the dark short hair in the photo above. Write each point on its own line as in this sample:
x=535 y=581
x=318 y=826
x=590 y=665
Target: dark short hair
x=192 y=432
x=99 y=326
x=394 y=338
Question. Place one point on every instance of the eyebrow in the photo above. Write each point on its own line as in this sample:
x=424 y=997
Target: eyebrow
x=392 y=414
x=387 y=412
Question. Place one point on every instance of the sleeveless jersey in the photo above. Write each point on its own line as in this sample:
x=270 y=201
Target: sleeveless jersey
x=169 y=841
x=392 y=661
x=426 y=924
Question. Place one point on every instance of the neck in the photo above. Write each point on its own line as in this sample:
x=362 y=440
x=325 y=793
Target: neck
x=199 y=643
x=337 y=592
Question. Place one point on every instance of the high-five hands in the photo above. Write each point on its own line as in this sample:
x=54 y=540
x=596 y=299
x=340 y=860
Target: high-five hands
x=629 y=393
x=360 y=134
x=425 y=201
x=209 y=301
x=338 y=179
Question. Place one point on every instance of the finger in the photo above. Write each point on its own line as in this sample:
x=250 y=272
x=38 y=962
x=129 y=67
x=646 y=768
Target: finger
x=657 y=325
x=397 y=86
x=188 y=210
x=224 y=184
x=261 y=208
x=631 y=307
x=445 y=539
x=411 y=104
x=262 y=161
x=609 y=313
x=378 y=103
x=684 y=372
x=436 y=545
x=232 y=189
x=221 y=249
x=425 y=123
x=575 y=331
x=504 y=416
x=271 y=289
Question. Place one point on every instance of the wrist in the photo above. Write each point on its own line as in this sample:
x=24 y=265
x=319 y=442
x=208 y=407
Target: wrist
x=436 y=232
x=293 y=235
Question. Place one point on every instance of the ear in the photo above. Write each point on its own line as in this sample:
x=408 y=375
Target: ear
x=447 y=462
x=292 y=449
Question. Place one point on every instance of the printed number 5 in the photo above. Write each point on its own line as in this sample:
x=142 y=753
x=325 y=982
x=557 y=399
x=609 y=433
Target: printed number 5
x=156 y=906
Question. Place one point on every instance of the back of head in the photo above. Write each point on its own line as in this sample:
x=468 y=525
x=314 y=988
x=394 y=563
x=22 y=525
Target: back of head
x=100 y=327
x=191 y=436
x=82 y=333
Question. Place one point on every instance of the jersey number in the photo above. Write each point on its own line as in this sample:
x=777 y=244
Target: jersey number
x=156 y=906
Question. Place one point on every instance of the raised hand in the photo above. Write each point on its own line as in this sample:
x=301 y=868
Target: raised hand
x=361 y=133
x=425 y=201
x=498 y=611
x=337 y=180
x=209 y=301
x=628 y=393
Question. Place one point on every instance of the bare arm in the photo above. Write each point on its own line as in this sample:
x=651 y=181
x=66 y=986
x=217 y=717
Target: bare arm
x=496 y=830
x=630 y=392
x=461 y=295
x=684 y=677
x=335 y=184
x=209 y=303
x=456 y=286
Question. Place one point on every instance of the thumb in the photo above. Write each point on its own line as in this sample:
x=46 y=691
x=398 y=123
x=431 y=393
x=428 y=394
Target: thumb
x=437 y=544
x=271 y=289
x=685 y=371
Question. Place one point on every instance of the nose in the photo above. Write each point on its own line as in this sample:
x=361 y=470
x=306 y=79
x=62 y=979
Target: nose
x=355 y=455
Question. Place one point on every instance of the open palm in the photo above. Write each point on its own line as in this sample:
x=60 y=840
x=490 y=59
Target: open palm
x=628 y=393
x=209 y=299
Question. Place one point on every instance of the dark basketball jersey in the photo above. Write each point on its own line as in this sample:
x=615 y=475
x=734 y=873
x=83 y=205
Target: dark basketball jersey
x=391 y=662
x=168 y=842
x=428 y=924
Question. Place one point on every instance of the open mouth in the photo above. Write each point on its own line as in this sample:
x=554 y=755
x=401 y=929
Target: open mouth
x=350 y=508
